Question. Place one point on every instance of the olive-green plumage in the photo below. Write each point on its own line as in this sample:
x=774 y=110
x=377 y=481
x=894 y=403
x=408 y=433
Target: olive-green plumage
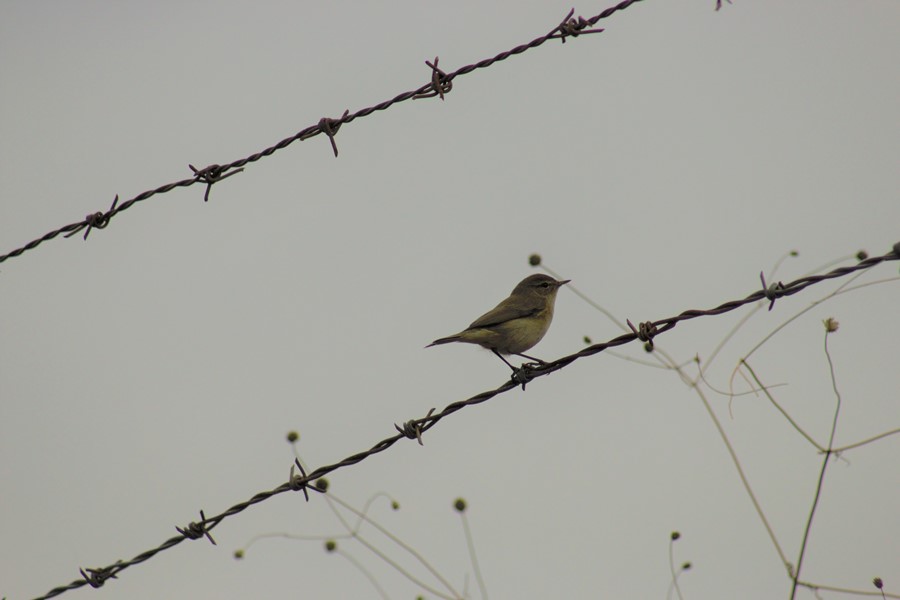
x=516 y=324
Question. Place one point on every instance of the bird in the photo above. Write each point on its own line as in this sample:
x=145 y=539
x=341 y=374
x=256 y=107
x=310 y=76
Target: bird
x=516 y=324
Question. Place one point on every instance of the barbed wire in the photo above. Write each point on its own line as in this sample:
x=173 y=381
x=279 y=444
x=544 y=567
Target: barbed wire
x=440 y=84
x=414 y=428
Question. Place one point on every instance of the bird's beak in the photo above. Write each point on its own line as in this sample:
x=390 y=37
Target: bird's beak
x=563 y=282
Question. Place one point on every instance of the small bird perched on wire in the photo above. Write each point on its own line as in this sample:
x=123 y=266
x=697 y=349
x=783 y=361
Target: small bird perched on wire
x=516 y=324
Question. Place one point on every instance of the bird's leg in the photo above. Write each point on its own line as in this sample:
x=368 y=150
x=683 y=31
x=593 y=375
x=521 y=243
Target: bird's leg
x=519 y=375
x=500 y=356
x=531 y=358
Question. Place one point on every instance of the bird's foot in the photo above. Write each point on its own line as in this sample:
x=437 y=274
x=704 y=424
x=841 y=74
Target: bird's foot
x=523 y=375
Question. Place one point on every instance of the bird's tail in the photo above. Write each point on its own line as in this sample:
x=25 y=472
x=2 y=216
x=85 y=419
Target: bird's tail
x=446 y=340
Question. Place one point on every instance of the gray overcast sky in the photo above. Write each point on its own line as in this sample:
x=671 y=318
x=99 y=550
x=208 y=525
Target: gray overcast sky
x=154 y=370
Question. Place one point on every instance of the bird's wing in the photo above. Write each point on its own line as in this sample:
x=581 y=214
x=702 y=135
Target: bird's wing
x=505 y=311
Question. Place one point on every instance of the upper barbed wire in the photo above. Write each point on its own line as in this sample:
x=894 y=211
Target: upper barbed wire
x=439 y=86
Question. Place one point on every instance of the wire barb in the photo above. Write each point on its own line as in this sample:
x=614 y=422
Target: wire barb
x=524 y=374
x=644 y=332
x=98 y=220
x=195 y=530
x=772 y=292
x=97 y=577
x=572 y=27
x=330 y=128
x=211 y=175
x=299 y=482
x=440 y=82
x=412 y=429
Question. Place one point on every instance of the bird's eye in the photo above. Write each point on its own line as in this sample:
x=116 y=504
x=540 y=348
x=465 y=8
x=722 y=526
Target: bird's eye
x=545 y=284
